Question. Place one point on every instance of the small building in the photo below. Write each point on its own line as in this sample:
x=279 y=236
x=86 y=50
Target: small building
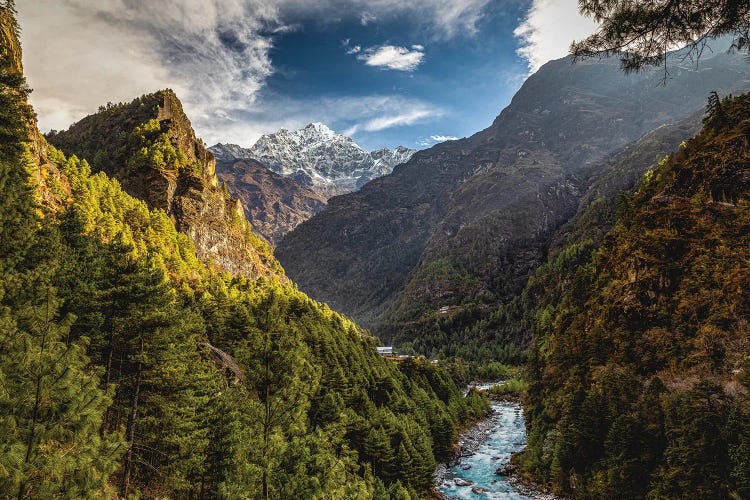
x=385 y=351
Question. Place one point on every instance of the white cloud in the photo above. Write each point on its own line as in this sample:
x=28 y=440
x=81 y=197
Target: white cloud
x=548 y=30
x=213 y=53
x=434 y=139
x=407 y=118
x=354 y=50
x=367 y=18
x=393 y=57
x=443 y=138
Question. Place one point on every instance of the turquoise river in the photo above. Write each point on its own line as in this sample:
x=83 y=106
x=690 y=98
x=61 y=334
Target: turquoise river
x=474 y=477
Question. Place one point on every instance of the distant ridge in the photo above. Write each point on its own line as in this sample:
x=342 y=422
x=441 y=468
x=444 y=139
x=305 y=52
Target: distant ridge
x=318 y=158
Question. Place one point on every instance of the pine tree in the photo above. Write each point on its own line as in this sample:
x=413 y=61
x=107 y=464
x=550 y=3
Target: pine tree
x=144 y=316
x=180 y=386
x=284 y=379
x=378 y=450
x=51 y=410
x=715 y=114
x=443 y=436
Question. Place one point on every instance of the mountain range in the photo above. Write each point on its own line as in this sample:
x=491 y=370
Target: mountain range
x=439 y=245
x=317 y=158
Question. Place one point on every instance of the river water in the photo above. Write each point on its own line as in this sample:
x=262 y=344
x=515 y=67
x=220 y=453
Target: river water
x=507 y=434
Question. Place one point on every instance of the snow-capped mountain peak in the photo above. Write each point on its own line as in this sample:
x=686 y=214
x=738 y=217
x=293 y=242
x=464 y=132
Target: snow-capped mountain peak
x=319 y=158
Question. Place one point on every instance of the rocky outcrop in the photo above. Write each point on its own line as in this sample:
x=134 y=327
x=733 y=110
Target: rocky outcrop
x=274 y=204
x=150 y=146
x=318 y=158
x=45 y=174
x=465 y=223
x=9 y=44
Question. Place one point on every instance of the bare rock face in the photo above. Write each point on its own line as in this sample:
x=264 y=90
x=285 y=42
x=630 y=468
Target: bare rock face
x=150 y=146
x=274 y=204
x=318 y=158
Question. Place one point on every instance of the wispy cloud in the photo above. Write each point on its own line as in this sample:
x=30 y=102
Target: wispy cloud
x=548 y=30
x=394 y=120
x=443 y=138
x=214 y=53
x=393 y=57
x=434 y=139
x=350 y=115
x=366 y=18
x=442 y=18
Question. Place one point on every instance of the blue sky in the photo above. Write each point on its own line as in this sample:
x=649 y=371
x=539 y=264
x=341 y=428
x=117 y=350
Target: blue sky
x=448 y=86
x=386 y=72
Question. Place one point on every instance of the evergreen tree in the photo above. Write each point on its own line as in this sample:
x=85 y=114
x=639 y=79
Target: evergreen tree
x=180 y=386
x=51 y=410
x=280 y=371
x=379 y=453
x=641 y=31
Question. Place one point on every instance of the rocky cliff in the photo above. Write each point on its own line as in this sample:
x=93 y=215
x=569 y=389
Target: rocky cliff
x=43 y=169
x=274 y=204
x=318 y=158
x=457 y=230
x=150 y=146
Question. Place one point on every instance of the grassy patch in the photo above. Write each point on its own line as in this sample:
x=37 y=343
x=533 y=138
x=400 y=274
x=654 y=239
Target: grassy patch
x=510 y=389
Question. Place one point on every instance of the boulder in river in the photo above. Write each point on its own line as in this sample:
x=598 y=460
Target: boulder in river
x=479 y=490
x=505 y=470
x=462 y=482
x=466 y=467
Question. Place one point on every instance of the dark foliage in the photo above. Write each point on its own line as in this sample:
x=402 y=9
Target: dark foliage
x=642 y=32
x=639 y=370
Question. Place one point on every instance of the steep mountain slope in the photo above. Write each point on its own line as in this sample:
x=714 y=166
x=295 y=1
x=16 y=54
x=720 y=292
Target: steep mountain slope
x=274 y=204
x=149 y=145
x=131 y=368
x=640 y=366
x=506 y=331
x=458 y=229
x=318 y=158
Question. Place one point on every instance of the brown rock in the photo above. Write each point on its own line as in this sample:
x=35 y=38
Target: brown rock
x=274 y=204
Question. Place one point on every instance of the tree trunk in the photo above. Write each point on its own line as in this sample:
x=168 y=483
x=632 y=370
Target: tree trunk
x=131 y=428
x=37 y=402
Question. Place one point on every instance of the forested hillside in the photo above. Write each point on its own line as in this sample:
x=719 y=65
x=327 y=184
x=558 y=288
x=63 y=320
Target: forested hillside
x=571 y=245
x=149 y=146
x=129 y=366
x=639 y=365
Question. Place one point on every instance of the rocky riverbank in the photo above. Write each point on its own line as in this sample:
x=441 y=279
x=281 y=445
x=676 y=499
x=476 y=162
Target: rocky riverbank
x=482 y=464
x=468 y=443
